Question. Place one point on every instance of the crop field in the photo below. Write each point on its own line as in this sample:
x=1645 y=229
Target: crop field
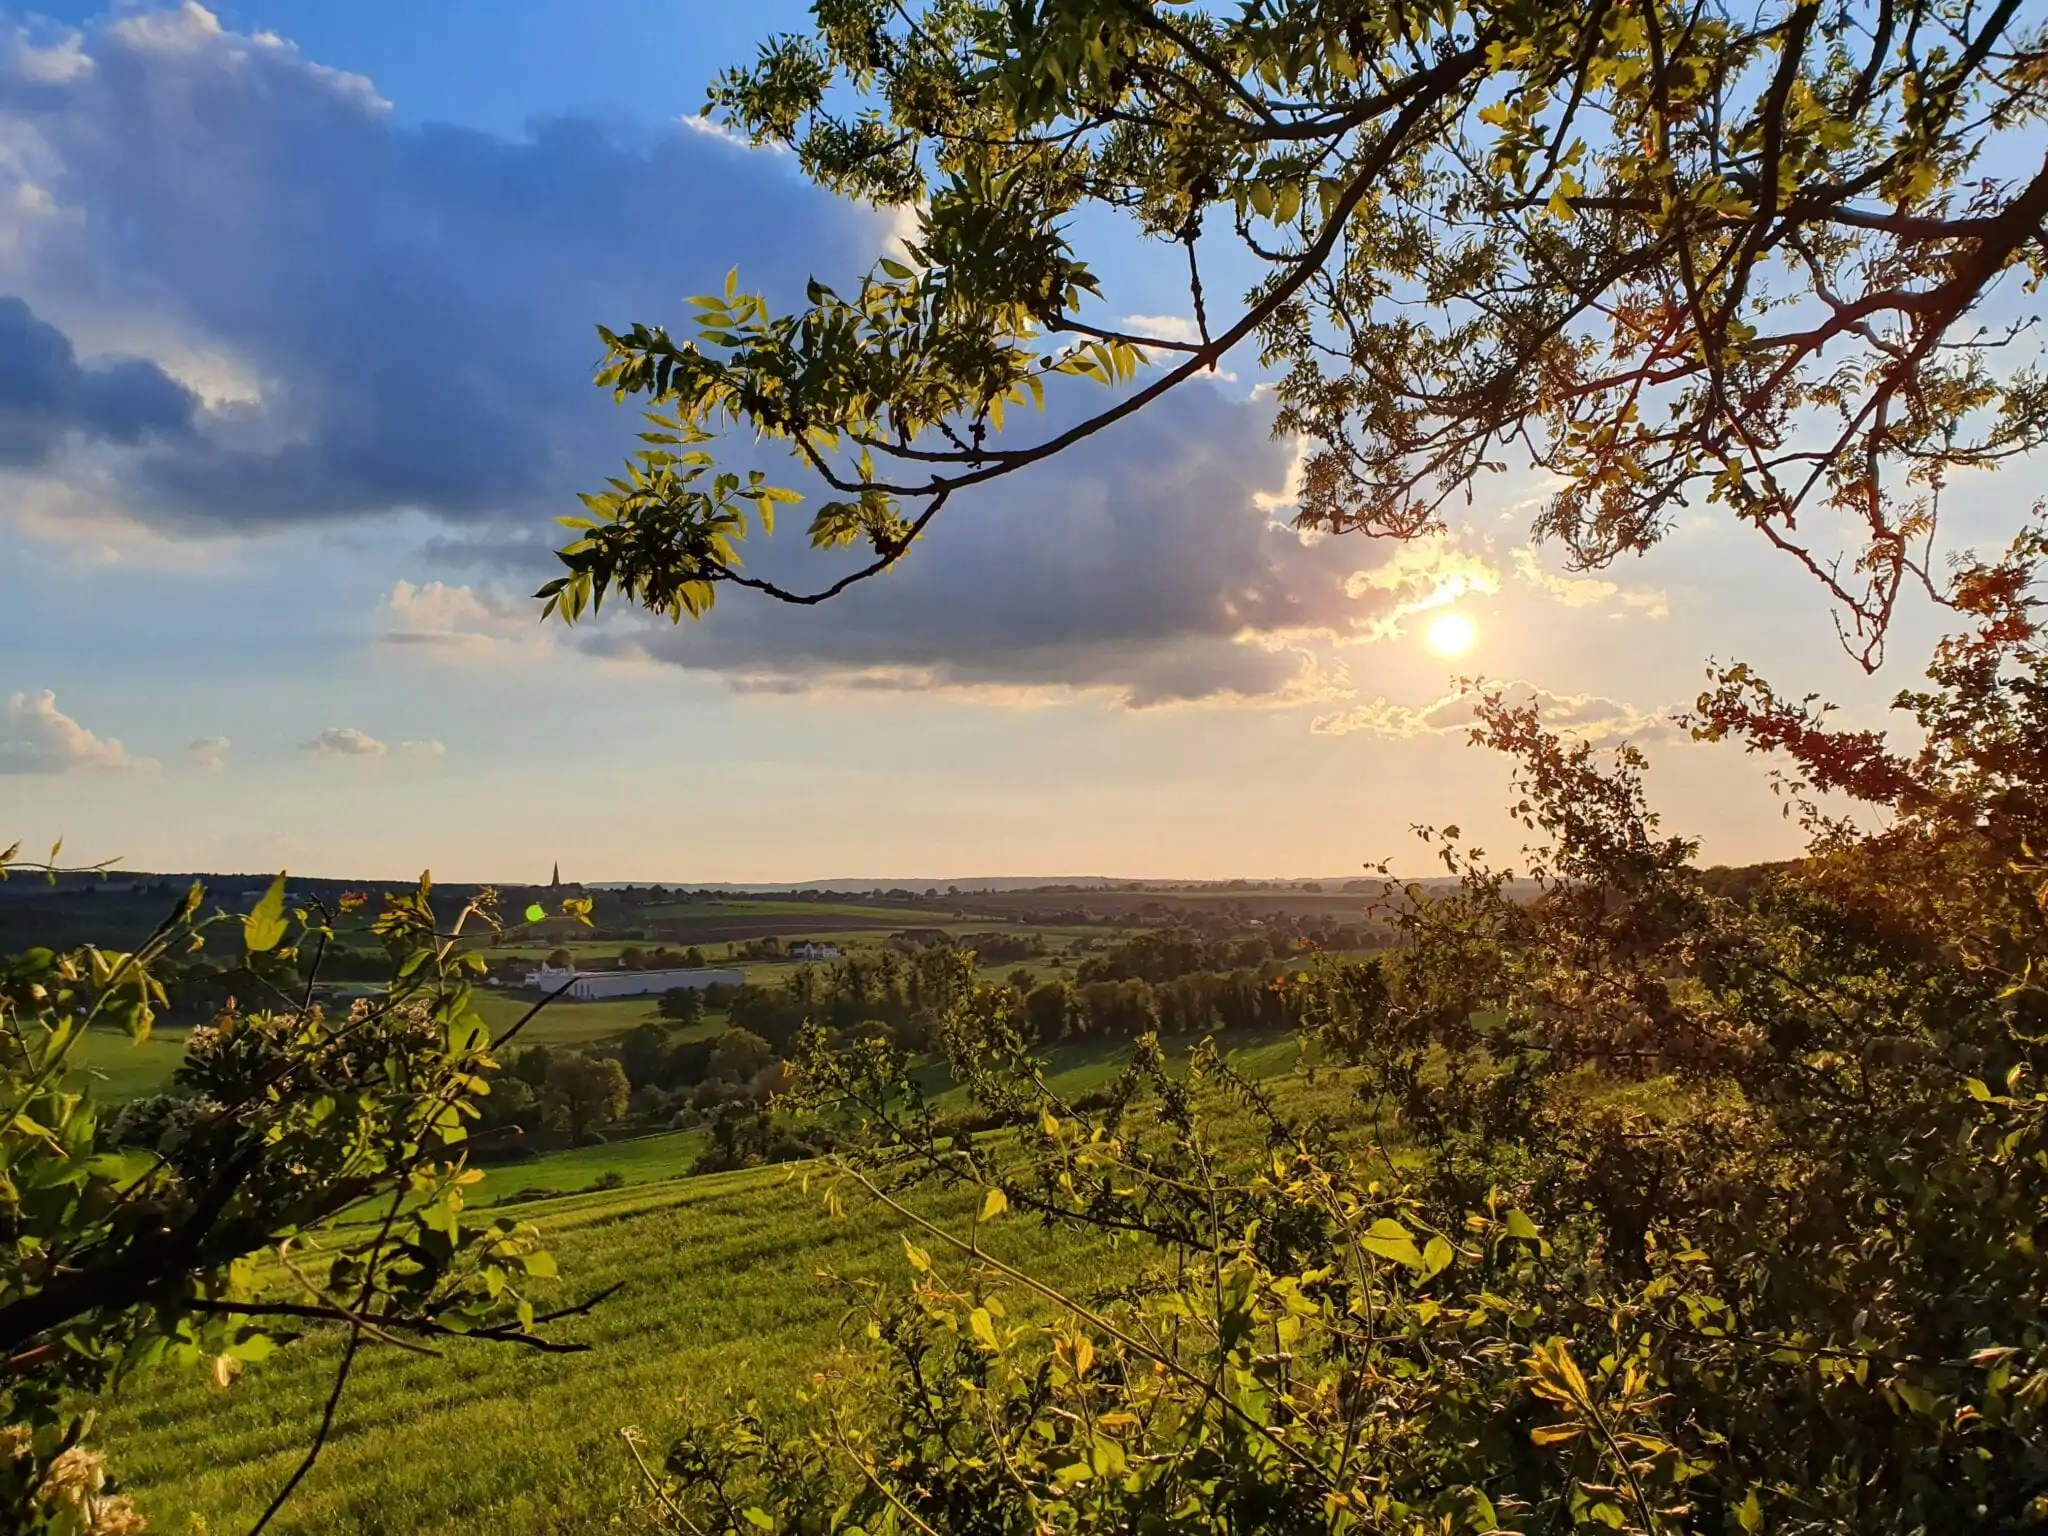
x=725 y=1298
x=722 y=1301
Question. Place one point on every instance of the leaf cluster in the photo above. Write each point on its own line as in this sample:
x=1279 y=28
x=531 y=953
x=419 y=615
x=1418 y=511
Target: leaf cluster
x=1667 y=253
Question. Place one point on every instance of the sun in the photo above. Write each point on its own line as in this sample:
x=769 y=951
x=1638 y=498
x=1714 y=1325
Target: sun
x=1451 y=635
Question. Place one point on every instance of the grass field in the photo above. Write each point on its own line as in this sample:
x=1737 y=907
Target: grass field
x=641 y=1160
x=725 y=1298
x=122 y=1069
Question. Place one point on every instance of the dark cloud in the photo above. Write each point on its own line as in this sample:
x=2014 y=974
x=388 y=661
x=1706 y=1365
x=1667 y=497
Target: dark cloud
x=411 y=310
x=383 y=319
x=1139 y=562
x=47 y=397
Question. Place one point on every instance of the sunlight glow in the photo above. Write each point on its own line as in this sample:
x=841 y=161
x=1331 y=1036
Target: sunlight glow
x=1451 y=635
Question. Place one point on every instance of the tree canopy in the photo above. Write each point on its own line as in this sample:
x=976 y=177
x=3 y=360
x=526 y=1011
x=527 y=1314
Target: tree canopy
x=1666 y=251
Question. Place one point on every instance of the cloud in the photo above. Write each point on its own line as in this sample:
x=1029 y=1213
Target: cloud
x=460 y=619
x=1139 y=564
x=1587 y=591
x=423 y=749
x=48 y=397
x=343 y=741
x=1579 y=716
x=35 y=737
x=1425 y=573
x=209 y=752
x=247 y=299
x=1171 y=328
x=308 y=312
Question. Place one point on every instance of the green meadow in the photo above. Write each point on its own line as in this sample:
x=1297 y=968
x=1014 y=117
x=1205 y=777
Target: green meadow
x=731 y=1290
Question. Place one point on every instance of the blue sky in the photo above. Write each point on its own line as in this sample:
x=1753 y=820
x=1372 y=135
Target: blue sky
x=295 y=337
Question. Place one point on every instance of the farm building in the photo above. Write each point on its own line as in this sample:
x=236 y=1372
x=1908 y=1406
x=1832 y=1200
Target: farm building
x=588 y=986
x=810 y=951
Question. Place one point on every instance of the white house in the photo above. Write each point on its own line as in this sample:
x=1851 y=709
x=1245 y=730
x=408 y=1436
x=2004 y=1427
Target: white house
x=588 y=986
x=809 y=951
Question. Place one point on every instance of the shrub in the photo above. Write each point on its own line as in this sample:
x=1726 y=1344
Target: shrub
x=284 y=1122
x=1658 y=1209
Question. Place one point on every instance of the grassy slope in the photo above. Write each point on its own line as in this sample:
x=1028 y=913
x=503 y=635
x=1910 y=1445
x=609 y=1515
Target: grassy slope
x=640 y=1160
x=722 y=1300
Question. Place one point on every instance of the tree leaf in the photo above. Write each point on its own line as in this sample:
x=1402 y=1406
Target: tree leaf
x=1390 y=1240
x=263 y=928
x=983 y=1327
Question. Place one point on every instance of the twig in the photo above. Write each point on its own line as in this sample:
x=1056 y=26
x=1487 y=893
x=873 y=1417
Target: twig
x=348 y=1360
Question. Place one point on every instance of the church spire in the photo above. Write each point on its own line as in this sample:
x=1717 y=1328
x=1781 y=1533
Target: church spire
x=556 y=883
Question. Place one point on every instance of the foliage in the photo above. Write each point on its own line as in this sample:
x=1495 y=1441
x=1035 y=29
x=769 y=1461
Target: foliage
x=1658 y=1209
x=740 y=1053
x=289 y=1119
x=682 y=1005
x=1660 y=249
x=584 y=1093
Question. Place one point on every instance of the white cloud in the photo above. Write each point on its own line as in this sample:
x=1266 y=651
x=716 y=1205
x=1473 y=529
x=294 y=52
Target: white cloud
x=1171 y=328
x=460 y=619
x=267 y=316
x=1578 y=716
x=1587 y=591
x=35 y=737
x=209 y=752
x=1165 y=327
x=343 y=741
x=1424 y=573
x=428 y=748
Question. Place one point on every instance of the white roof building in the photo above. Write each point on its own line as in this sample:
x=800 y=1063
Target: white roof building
x=588 y=986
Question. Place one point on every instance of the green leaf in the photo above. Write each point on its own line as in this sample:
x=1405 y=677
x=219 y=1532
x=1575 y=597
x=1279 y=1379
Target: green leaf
x=263 y=928
x=536 y=913
x=1751 y=1515
x=1437 y=1256
x=1390 y=1240
x=1521 y=1226
x=983 y=1327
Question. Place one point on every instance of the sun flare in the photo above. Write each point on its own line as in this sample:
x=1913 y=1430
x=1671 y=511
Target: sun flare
x=1451 y=635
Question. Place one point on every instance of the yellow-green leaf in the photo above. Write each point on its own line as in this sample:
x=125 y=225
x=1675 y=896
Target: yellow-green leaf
x=263 y=928
x=1390 y=1240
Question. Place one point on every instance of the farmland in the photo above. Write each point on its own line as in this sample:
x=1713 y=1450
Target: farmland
x=722 y=1301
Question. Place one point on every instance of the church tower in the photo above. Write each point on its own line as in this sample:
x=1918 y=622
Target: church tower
x=555 y=884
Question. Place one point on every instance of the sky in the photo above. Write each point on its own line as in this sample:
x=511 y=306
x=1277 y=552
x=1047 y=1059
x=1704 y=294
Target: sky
x=296 y=335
